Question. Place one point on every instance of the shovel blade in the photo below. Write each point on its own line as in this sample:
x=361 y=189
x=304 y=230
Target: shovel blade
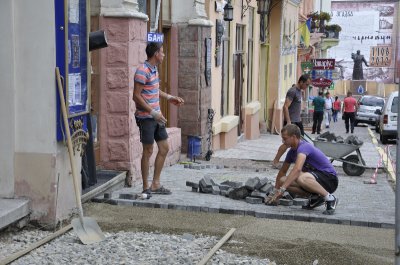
x=89 y=231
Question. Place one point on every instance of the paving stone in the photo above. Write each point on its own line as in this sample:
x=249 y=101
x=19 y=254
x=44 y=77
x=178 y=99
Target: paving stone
x=107 y=195
x=285 y=202
x=204 y=209
x=213 y=210
x=239 y=193
x=216 y=190
x=239 y=212
x=208 y=166
x=206 y=182
x=300 y=202
x=258 y=194
x=263 y=181
x=254 y=200
x=195 y=189
x=260 y=214
x=224 y=187
x=287 y=196
x=234 y=184
x=252 y=183
x=250 y=213
x=267 y=188
x=226 y=210
x=206 y=190
x=192 y=184
x=224 y=193
x=128 y=196
x=124 y=202
x=186 y=166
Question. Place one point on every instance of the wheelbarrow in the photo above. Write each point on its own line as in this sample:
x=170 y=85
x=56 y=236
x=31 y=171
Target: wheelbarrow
x=353 y=164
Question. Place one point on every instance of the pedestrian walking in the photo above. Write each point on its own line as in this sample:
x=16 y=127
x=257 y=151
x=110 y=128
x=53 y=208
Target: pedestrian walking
x=292 y=111
x=349 y=111
x=312 y=175
x=336 y=108
x=149 y=118
x=318 y=115
x=328 y=109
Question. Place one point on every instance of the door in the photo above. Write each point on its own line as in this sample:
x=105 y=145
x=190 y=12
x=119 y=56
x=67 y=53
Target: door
x=239 y=90
x=164 y=74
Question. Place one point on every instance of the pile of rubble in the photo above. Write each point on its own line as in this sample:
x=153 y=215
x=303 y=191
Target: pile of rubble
x=331 y=137
x=253 y=191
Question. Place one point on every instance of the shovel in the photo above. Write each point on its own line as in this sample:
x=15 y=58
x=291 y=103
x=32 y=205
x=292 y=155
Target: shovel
x=86 y=228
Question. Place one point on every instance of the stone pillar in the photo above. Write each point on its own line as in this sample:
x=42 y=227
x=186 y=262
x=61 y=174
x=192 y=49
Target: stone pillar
x=126 y=29
x=192 y=84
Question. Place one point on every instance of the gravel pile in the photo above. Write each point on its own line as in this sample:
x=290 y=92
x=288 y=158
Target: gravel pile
x=121 y=248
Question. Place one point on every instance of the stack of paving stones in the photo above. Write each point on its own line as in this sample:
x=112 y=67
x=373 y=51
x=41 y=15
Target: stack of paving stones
x=331 y=137
x=199 y=166
x=253 y=191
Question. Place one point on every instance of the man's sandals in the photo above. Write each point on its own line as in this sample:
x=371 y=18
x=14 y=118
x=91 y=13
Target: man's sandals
x=161 y=190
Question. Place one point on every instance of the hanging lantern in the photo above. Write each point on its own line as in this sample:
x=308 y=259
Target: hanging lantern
x=228 y=12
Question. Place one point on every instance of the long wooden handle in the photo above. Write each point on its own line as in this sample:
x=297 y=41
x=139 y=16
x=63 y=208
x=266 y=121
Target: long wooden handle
x=69 y=144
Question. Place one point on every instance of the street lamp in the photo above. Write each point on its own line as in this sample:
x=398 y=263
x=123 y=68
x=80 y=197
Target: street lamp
x=262 y=7
x=228 y=11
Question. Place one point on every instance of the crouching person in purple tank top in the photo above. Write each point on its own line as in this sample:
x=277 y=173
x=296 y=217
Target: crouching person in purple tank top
x=312 y=175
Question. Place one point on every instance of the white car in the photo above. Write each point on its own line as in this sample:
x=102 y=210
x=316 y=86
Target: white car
x=388 y=118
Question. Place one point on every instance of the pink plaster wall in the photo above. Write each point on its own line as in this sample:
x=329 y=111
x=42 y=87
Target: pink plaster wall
x=252 y=126
x=120 y=147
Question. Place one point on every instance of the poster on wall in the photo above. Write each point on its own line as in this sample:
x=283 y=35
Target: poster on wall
x=364 y=25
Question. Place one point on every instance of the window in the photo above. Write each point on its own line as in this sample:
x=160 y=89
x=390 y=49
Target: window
x=250 y=43
x=290 y=70
x=239 y=38
x=225 y=69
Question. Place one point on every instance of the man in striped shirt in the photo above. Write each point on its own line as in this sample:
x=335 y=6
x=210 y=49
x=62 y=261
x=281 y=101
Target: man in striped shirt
x=149 y=118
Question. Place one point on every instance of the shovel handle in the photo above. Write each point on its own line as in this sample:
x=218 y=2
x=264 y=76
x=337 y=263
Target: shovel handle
x=69 y=144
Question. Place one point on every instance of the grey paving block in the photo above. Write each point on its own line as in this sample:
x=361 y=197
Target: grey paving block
x=318 y=219
x=239 y=193
x=254 y=200
x=181 y=207
x=224 y=193
x=192 y=184
x=193 y=208
x=300 y=202
x=224 y=187
x=226 y=210
x=286 y=195
x=252 y=183
x=206 y=190
x=216 y=190
x=263 y=181
x=107 y=195
x=260 y=214
x=250 y=213
x=233 y=184
x=163 y=205
x=387 y=225
x=195 y=189
x=374 y=224
x=208 y=166
x=305 y=218
x=238 y=212
x=128 y=196
x=204 y=209
x=332 y=220
x=287 y=216
x=206 y=182
x=213 y=210
x=186 y=166
x=285 y=202
x=171 y=206
x=267 y=188
x=258 y=194
x=344 y=221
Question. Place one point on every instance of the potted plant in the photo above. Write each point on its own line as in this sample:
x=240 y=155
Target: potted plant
x=325 y=16
x=332 y=31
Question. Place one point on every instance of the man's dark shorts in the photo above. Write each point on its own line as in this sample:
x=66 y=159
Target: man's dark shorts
x=299 y=124
x=328 y=181
x=150 y=130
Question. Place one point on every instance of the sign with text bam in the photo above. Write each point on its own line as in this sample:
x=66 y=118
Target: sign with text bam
x=380 y=56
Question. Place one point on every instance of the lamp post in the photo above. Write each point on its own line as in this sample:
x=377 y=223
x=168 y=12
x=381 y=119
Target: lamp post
x=228 y=11
x=262 y=9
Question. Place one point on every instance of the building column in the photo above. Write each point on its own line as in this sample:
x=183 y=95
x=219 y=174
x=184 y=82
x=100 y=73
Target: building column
x=7 y=99
x=126 y=30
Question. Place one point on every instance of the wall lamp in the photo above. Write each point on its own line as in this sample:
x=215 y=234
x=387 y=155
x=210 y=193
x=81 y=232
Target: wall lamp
x=262 y=7
x=228 y=11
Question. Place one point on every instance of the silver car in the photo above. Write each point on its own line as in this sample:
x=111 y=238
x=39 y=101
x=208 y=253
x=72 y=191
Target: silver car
x=367 y=105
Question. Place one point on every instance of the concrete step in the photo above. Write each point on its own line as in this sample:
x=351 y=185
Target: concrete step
x=12 y=210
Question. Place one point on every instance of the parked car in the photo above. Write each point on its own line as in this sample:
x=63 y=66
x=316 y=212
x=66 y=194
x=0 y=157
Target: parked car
x=367 y=105
x=388 y=118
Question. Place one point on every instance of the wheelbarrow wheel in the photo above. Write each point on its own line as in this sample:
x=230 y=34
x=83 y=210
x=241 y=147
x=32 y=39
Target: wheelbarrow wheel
x=353 y=170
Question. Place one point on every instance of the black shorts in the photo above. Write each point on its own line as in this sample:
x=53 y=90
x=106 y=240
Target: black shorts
x=328 y=181
x=299 y=124
x=150 y=130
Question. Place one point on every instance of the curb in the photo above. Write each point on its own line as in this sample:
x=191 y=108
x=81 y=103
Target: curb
x=309 y=217
x=388 y=165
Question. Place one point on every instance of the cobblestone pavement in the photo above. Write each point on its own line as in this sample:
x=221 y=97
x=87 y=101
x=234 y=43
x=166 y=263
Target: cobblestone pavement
x=359 y=204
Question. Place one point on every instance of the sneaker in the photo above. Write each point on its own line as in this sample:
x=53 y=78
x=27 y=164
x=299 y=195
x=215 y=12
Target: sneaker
x=314 y=202
x=331 y=206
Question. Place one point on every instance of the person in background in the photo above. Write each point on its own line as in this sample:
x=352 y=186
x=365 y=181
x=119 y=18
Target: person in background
x=336 y=108
x=349 y=111
x=318 y=115
x=292 y=111
x=328 y=109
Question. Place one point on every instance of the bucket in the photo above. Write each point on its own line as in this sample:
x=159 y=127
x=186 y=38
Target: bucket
x=194 y=146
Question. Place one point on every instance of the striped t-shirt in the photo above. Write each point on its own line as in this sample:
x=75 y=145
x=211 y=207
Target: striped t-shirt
x=147 y=75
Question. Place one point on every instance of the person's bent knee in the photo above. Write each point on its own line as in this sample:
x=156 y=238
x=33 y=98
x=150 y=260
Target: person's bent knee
x=163 y=147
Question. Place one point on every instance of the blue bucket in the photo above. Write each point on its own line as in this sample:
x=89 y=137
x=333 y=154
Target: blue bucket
x=194 y=146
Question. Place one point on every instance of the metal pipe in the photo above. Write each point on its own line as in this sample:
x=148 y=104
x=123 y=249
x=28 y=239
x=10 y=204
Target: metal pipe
x=397 y=194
